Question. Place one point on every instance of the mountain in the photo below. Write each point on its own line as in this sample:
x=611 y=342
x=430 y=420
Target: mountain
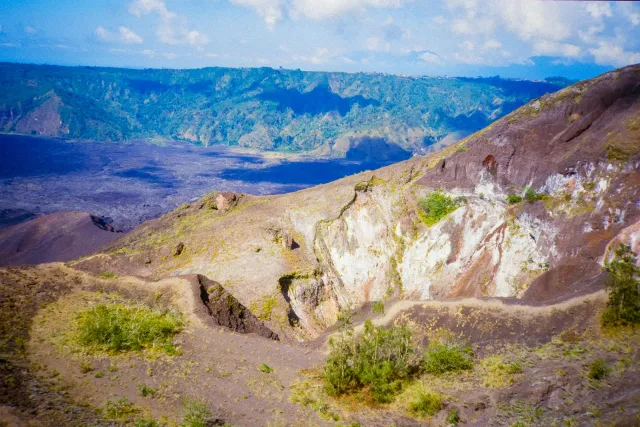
x=61 y=236
x=265 y=109
x=495 y=245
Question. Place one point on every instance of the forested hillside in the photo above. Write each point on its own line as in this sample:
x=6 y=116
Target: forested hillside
x=262 y=108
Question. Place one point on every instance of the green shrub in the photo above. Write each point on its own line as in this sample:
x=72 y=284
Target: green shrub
x=146 y=423
x=107 y=275
x=513 y=199
x=266 y=368
x=453 y=417
x=378 y=307
x=378 y=359
x=146 y=391
x=122 y=408
x=427 y=403
x=598 y=370
x=197 y=414
x=531 y=196
x=441 y=358
x=622 y=286
x=437 y=205
x=119 y=327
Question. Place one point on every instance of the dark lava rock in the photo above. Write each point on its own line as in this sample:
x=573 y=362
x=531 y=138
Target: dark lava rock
x=178 y=249
x=225 y=310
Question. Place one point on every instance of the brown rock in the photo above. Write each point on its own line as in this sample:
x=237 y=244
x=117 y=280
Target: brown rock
x=178 y=250
x=225 y=201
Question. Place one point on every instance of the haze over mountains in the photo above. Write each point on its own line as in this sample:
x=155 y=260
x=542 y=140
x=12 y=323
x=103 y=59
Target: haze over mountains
x=359 y=116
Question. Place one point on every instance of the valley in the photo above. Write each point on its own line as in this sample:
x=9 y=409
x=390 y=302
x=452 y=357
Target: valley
x=127 y=184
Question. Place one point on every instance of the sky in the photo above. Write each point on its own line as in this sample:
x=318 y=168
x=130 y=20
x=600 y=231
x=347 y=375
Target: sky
x=511 y=38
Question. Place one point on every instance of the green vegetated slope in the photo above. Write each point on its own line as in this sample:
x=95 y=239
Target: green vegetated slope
x=261 y=108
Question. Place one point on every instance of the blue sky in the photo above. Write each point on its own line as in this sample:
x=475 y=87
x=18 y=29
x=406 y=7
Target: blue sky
x=512 y=38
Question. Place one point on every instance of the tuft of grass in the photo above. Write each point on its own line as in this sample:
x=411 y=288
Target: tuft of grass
x=266 y=368
x=441 y=358
x=437 y=205
x=531 y=196
x=120 y=409
x=514 y=199
x=118 y=327
x=598 y=370
x=86 y=367
x=197 y=414
x=99 y=374
x=453 y=417
x=378 y=307
x=147 y=423
x=107 y=275
x=146 y=391
x=427 y=403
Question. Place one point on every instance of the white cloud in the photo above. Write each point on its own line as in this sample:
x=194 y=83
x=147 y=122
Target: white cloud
x=630 y=11
x=128 y=36
x=535 y=19
x=212 y=55
x=174 y=28
x=553 y=48
x=144 y=7
x=270 y=10
x=598 y=9
x=29 y=30
x=124 y=35
x=174 y=35
x=170 y=55
x=491 y=44
x=325 y=9
x=430 y=58
x=321 y=56
x=148 y=52
x=589 y=36
x=376 y=44
x=608 y=53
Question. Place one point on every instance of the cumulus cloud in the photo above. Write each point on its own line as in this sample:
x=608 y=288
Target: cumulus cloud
x=552 y=48
x=630 y=11
x=324 y=9
x=144 y=7
x=273 y=11
x=598 y=9
x=430 y=58
x=124 y=35
x=174 y=29
x=609 y=53
x=270 y=10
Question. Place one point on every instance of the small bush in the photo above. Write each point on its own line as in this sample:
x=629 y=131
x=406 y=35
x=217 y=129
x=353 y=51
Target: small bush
x=107 y=275
x=437 y=205
x=86 y=367
x=122 y=408
x=623 y=287
x=266 y=368
x=441 y=358
x=598 y=370
x=378 y=359
x=119 y=327
x=531 y=196
x=99 y=374
x=427 y=403
x=378 y=307
x=146 y=391
x=514 y=199
x=197 y=414
x=146 y=423
x=453 y=417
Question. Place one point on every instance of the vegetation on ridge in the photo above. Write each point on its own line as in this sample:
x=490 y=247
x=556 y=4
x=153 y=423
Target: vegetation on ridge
x=623 y=287
x=437 y=205
x=261 y=108
x=118 y=327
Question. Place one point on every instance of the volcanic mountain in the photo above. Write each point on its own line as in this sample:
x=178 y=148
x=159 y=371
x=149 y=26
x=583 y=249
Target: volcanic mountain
x=499 y=238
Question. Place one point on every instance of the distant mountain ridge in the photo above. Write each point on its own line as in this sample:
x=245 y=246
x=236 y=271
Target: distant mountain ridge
x=260 y=108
